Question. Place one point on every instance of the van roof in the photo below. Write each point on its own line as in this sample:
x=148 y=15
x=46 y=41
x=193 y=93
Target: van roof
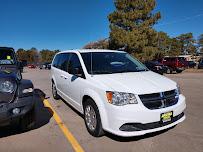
x=90 y=50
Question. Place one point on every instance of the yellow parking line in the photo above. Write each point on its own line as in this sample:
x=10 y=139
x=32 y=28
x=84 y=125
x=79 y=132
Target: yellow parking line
x=76 y=146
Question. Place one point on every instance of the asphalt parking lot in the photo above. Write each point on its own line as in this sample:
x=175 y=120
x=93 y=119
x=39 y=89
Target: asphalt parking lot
x=60 y=128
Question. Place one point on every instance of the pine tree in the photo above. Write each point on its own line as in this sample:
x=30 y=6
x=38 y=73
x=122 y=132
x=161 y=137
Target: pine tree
x=131 y=26
x=200 y=42
x=187 y=43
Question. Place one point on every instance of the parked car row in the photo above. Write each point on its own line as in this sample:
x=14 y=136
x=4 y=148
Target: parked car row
x=157 y=67
x=46 y=65
x=171 y=64
x=175 y=64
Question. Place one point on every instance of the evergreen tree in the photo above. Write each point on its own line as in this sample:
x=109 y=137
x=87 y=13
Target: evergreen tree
x=175 y=47
x=47 y=55
x=101 y=44
x=200 y=42
x=131 y=26
x=187 y=43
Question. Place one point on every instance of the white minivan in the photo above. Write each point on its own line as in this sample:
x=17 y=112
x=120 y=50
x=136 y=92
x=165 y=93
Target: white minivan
x=116 y=93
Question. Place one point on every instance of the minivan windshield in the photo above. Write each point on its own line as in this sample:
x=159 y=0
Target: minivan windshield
x=7 y=57
x=111 y=62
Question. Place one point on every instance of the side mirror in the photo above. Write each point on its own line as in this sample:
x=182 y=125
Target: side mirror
x=78 y=72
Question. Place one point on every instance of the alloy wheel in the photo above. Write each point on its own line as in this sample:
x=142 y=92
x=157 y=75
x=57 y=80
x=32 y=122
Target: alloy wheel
x=90 y=117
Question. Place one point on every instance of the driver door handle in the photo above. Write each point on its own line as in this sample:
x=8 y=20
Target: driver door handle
x=64 y=77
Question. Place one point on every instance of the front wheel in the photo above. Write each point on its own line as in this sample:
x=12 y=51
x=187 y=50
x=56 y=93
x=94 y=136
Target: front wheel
x=92 y=118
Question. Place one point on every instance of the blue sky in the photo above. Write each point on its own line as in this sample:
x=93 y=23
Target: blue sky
x=70 y=24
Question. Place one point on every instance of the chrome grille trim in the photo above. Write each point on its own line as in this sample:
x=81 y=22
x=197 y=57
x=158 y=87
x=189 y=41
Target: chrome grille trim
x=159 y=100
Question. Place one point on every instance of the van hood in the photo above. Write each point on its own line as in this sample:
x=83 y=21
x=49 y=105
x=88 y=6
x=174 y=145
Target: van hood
x=136 y=82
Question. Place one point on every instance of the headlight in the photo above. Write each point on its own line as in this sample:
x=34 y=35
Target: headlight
x=7 y=87
x=121 y=98
x=178 y=92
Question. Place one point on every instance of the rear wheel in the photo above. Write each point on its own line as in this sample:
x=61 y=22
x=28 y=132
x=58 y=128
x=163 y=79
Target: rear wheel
x=92 y=118
x=54 y=92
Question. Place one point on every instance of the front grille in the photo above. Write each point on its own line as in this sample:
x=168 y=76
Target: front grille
x=139 y=126
x=159 y=100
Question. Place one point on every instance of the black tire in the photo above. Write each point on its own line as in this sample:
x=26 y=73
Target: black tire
x=179 y=71
x=54 y=92
x=98 y=131
x=171 y=70
x=28 y=120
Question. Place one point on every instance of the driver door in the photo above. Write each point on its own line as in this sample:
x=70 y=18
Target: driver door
x=73 y=84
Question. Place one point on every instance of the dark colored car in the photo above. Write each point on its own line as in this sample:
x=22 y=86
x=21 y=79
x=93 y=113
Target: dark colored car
x=16 y=94
x=46 y=65
x=191 y=64
x=157 y=67
x=177 y=64
x=200 y=65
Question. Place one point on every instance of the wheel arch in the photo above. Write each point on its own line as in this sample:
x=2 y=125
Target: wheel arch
x=90 y=94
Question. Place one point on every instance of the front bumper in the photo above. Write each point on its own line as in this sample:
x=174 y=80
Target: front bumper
x=118 y=116
x=25 y=104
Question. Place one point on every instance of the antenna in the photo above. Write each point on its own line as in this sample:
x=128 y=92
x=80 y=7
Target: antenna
x=91 y=63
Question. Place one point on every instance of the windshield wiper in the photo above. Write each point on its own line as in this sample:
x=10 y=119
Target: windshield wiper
x=101 y=72
x=126 y=71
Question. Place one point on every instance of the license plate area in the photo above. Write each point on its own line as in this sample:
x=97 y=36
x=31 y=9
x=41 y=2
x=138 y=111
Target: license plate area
x=167 y=116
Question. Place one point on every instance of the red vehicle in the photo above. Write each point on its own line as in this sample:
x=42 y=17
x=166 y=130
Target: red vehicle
x=31 y=66
x=177 y=64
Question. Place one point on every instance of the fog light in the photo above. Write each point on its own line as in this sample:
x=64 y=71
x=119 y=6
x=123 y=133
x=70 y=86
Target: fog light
x=16 y=111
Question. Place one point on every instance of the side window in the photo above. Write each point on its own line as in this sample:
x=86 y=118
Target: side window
x=63 y=61
x=74 y=63
x=55 y=62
